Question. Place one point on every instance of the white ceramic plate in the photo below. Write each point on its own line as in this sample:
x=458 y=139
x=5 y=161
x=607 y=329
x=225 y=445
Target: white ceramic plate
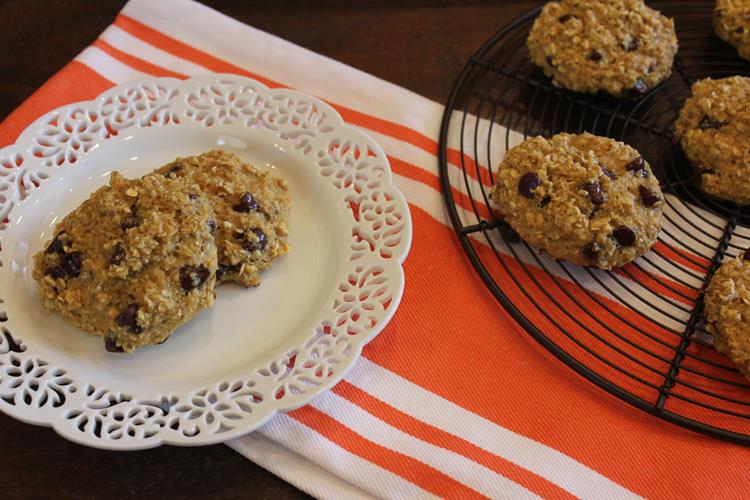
x=257 y=351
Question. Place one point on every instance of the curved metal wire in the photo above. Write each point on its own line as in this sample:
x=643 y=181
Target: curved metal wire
x=631 y=331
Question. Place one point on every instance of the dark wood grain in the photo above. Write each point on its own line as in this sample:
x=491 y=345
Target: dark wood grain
x=417 y=44
x=420 y=45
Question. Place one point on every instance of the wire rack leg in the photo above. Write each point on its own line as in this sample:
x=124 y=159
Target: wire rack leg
x=695 y=318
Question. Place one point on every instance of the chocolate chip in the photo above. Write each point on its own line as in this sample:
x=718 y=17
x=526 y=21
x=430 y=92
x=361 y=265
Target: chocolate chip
x=171 y=171
x=129 y=318
x=624 y=236
x=594 y=190
x=260 y=242
x=111 y=346
x=71 y=264
x=746 y=255
x=639 y=88
x=56 y=246
x=247 y=202
x=647 y=196
x=591 y=250
x=608 y=173
x=211 y=225
x=709 y=123
x=226 y=269
x=632 y=44
x=527 y=184
x=193 y=276
x=509 y=234
x=637 y=166
x=131 y=220
x=564 y=18
x=192 y=196
x=700 y=170
x=550 y=61
x=545 y=201
x=55 y=271
x=595 y=56
x=738 y=29
x=118 y=255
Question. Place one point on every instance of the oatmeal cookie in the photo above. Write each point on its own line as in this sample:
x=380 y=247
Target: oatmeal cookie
x=732 y=24
x=621 y=47
x=133 y=262
x=727 y=311
x=252 y=212
x=589 y=200
x=713 y=128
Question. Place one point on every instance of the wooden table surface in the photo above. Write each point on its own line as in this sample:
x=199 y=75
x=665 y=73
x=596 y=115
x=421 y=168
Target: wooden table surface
x=419 y=44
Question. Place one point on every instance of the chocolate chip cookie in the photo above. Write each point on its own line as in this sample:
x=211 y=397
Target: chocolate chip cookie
x=732 y=24
x=133 y=262
x=713 y=128
x=621 y=47
x=589 y=200
x=252 y=212
x=727 y=311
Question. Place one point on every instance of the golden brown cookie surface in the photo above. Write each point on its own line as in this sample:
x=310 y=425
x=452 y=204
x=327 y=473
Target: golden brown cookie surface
x=589 y=200
x=251 y=207
x=133 y=262
x=712 y=128
x=732 y=24
x=621 y=47
x=727 y=311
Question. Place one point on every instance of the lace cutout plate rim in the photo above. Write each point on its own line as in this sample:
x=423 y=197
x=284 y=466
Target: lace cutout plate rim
x=224 y=375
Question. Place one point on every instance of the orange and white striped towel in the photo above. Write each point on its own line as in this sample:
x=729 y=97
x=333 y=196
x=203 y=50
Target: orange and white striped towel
x=453 y=398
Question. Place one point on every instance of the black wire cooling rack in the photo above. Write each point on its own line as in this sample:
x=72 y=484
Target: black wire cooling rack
x=636 y=332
